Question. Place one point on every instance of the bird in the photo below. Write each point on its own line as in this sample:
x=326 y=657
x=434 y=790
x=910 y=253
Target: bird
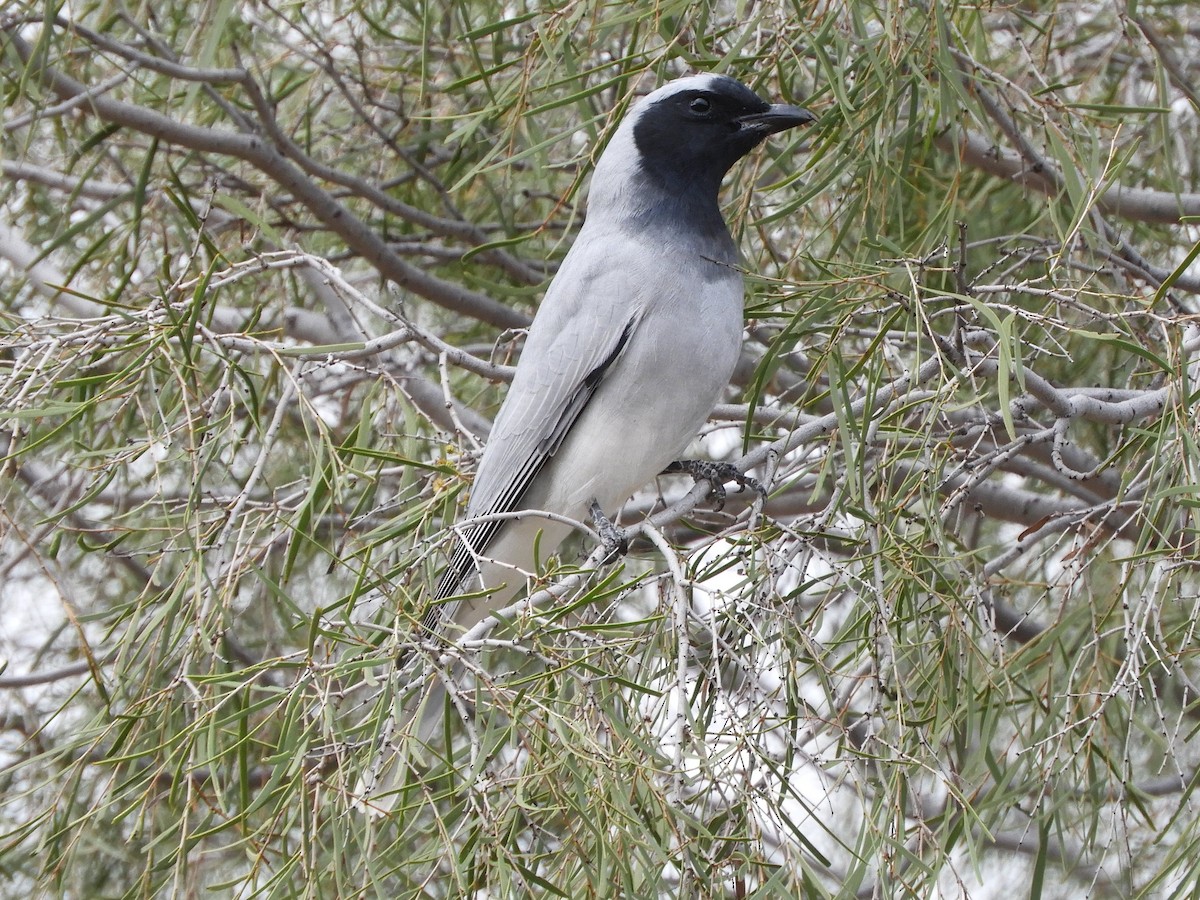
x=635 y=339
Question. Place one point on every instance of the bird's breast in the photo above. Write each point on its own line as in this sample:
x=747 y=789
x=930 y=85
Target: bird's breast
x=685 y=306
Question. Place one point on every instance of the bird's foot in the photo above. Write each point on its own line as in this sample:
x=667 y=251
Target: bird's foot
x=614 y=539
x=716 y=474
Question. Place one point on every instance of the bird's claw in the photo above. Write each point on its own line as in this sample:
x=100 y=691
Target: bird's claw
x=614 y=539
x=716 y=474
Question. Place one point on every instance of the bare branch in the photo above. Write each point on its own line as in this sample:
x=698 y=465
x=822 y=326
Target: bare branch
x=1139 y=204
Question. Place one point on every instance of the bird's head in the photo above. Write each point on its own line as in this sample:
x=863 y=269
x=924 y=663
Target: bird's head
x=682 y=138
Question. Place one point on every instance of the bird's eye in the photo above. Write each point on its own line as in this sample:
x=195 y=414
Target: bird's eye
x=700 y=106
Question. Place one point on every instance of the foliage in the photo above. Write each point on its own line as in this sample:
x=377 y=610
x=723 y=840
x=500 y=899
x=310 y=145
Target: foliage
x=267 y=267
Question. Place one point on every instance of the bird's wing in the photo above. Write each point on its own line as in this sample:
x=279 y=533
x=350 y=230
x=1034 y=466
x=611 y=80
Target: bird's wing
x=579 y=334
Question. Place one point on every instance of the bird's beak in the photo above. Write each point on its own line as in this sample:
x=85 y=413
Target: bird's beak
x=780 y=117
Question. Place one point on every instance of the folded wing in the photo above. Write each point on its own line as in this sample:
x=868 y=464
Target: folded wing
x=575 y=342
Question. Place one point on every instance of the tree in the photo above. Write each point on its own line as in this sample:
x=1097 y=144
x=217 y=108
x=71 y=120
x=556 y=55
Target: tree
x=266 y=272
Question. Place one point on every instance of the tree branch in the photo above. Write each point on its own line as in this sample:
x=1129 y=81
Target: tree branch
x=271 y=162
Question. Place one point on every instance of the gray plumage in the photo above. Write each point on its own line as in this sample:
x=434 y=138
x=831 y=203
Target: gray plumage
x=636 y=338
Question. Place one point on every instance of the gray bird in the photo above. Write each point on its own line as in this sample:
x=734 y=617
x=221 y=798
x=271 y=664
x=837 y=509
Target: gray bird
x=636 y=338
